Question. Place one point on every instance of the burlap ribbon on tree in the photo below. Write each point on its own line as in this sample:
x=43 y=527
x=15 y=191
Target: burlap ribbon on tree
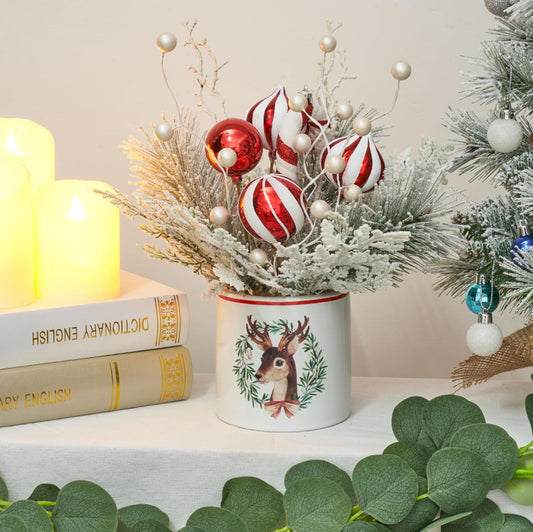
x=516 y=352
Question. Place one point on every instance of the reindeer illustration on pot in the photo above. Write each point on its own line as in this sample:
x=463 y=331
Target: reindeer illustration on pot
x=278 y=366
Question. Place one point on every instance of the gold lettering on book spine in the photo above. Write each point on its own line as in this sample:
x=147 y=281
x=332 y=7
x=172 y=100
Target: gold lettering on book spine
x=115 y=386
x=173 y=378
x=168 y=314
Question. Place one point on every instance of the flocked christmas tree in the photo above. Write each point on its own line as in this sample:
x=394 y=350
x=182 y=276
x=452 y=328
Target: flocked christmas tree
x=495 y=264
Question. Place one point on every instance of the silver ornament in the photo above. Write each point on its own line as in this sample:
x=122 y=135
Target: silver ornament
x=164 y=131
x=498 y=7
x=166 y=42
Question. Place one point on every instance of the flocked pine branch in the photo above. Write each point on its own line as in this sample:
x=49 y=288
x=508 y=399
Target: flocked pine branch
x=357 y=246
x=503 y=79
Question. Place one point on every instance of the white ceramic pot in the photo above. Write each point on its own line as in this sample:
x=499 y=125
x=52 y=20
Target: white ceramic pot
x=283 y=363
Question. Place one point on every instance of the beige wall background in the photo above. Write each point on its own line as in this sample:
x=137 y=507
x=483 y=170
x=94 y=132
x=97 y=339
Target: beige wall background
x=90 y=72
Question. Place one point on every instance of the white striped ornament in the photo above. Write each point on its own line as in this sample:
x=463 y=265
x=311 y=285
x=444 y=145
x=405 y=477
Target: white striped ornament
x=286 y=156
x=364 y=163
x=272 y=208
x=266 y=116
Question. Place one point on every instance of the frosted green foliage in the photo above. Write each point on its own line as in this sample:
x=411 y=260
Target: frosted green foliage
x=366 y=245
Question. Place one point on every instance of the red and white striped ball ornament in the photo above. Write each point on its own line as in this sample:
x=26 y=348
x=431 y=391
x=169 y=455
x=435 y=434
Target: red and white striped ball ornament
x=266 y=116
x=272 y=208
x=364 y=163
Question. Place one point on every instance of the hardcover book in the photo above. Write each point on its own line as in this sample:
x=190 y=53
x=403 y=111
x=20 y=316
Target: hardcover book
x=98 y=384
x=146 y=315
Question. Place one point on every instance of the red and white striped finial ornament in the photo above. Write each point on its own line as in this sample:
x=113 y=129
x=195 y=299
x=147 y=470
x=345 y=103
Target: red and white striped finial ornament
x=364 y=163
x=266 y=116
x=272 y=208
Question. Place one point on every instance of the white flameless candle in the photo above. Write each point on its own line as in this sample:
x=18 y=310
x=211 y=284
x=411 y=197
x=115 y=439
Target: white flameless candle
x=77 y=244
x=30 y=144
x=16 y=236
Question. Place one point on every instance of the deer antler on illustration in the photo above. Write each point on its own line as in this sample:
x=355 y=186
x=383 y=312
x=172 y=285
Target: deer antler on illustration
x=277 y=363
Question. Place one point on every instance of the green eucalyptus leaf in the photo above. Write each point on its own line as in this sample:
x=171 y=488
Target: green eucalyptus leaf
x=407 y=423
x=516 y=523
x=191 y=529
x=129 y=515
x=4 y=493
x=444 y=415
x=257 y=503
x=32 y=514
x=445 y=520
x=415 y=454
x=422 y=513
x=458 y=479
x=316 y=504
x=361 y=526
x=149 y=525
x=386 y=487
x=529 y=409
x=44 y=492
x=486 y=517
x=495 y=445
x=213 y=519
x=322 y=469
x=83 y=505
x=12 y=523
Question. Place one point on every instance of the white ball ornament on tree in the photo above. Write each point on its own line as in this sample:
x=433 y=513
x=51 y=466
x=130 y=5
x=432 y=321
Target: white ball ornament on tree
x=164 y=131
x=505 y=133
x=362 y=126
x=219 y=215
x=319 y=209
x=227 y=157
x=484 y=338
x=258 y=256
x=327 y=43
x=166 y=42
x=401 y=70
x=272 y=208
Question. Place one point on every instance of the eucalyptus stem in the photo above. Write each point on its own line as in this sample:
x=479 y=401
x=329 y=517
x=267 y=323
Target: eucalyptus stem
x=5 y=504
x=526 y=449
x=423 y=496
x=284 y=529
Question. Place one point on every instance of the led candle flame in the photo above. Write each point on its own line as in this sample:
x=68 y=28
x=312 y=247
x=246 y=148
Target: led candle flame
x=30 y=144
x=16 y=236
x=77 y=253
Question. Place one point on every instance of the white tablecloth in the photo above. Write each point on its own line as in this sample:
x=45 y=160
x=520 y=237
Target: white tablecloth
x=178 y=455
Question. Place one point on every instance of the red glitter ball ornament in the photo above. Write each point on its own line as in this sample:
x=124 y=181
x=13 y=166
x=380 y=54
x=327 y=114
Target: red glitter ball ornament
x=242 y=137
x=272 y=208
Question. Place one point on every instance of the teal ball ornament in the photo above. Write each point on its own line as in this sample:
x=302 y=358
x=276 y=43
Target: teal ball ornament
x=482 y=295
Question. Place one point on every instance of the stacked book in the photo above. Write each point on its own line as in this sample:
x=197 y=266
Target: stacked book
x=66 y=360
